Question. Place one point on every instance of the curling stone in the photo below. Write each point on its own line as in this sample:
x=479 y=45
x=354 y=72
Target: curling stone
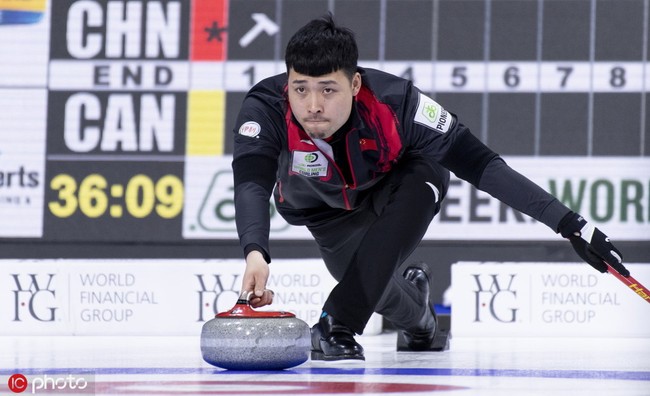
x=245 y=339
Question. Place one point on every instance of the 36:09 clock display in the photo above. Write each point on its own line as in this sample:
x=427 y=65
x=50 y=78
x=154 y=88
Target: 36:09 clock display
x=140 y=197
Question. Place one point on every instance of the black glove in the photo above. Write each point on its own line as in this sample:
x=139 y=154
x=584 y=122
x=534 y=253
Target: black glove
x=591 y=244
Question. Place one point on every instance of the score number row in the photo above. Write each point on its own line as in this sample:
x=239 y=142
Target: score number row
x=239 y=76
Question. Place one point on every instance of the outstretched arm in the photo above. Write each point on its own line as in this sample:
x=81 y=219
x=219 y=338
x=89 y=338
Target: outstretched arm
x=517 y=191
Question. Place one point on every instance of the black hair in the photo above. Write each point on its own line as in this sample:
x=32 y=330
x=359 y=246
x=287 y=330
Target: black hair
x=322 y=47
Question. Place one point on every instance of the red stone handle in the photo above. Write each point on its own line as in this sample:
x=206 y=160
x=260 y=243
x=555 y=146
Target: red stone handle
x=243 y=309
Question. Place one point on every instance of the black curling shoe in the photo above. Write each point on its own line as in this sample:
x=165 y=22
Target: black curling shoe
x=420 y=338
x=332 y=340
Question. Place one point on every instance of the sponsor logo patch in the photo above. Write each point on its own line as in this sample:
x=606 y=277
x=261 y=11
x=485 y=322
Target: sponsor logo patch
x=250 y=129
x=309 y=163
x=432 y=115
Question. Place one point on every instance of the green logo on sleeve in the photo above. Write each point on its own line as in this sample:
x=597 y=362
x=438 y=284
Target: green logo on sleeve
x=430 y=112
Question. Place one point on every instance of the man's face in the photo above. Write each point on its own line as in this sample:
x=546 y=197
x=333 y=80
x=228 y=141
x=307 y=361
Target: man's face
x=322 y=104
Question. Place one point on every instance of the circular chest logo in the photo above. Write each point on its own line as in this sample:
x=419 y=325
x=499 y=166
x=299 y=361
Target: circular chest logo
x=311 y=157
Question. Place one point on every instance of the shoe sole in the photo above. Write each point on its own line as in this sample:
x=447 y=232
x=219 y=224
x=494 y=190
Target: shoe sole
x=440 y=340
x=318 y=355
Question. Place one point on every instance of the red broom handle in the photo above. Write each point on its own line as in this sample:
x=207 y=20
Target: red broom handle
x=632 y=283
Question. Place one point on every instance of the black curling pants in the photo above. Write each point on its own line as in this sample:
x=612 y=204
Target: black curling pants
x=363 y=249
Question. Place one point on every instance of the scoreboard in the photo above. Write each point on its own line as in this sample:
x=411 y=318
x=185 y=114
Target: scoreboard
x=116 y=116
x=529 y=77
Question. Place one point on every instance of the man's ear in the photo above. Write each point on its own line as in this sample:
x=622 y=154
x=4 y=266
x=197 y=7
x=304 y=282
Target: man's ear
x=356 y=83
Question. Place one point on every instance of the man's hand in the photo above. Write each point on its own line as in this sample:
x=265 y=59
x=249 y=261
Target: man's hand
x=255 y=277
x=591 y=244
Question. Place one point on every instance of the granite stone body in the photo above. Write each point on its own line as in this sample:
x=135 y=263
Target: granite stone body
x=244 y=339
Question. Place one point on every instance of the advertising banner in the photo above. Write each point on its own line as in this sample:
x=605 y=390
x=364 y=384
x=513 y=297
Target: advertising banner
x=146 y=297
x=22 y=162
x=545 y=300
x=616 y=198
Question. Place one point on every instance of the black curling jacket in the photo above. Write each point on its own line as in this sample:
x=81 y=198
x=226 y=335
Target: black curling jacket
x=312 y=181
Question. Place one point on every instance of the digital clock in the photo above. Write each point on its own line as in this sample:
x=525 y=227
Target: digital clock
x=94 y=197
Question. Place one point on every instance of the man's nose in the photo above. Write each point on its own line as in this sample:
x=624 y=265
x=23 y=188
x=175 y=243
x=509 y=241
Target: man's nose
x=314 y=104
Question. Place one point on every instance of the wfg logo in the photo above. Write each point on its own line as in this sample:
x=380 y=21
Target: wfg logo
x=36 y=295
x=219 y=296
x=496 y=297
